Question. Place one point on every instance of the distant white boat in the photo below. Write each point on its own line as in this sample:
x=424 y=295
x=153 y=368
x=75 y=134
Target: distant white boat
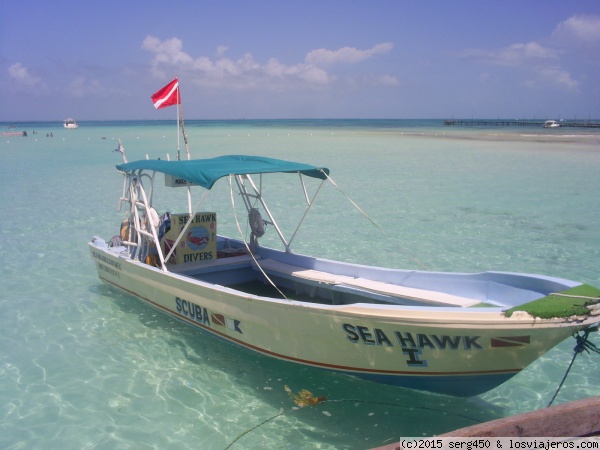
x=551 y=124
x=70 y=123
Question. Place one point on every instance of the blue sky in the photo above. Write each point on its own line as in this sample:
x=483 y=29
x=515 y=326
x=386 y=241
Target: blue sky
x=300 y=59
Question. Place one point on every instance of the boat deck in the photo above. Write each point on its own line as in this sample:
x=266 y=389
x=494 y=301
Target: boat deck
x=249 y=274
x=345 y=283
x=300 y=283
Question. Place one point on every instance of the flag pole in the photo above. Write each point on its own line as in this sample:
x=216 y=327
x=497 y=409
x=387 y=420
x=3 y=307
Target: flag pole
x=180 y=115
x=167 y=96
x=187 y=149
x=179 y=102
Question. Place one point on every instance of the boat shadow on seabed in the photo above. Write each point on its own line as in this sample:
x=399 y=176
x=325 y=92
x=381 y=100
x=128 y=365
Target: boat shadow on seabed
x=329 y=407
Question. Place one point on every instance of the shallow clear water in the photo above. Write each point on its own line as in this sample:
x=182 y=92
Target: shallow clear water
x=85 y=366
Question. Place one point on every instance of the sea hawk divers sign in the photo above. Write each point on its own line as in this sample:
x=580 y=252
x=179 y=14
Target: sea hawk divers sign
x=200 y=240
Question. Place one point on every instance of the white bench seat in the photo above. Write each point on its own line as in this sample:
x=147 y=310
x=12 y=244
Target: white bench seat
x=271 y=265
x=422 y=295
x=377 y=287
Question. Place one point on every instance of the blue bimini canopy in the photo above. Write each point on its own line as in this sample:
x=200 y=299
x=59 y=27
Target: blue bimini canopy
x=205 y=172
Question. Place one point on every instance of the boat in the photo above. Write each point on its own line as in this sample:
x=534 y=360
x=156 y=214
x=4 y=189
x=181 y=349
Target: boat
x=70 y=123
x=458 y=334
x=8 y=131
x=551 y=124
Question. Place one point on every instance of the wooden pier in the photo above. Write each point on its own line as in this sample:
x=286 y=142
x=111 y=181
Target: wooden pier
x=579 y=418
x=518 y=123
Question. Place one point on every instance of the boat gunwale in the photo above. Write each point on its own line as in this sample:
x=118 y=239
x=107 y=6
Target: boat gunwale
x=451 y=316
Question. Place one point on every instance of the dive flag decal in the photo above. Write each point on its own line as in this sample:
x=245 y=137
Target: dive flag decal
x=218 y=319
x=510 y=341
x=230 y=324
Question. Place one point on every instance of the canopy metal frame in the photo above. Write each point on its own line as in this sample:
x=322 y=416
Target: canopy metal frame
x=143 y=232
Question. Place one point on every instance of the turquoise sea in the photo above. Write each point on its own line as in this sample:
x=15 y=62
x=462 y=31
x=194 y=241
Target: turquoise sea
x=83 y=366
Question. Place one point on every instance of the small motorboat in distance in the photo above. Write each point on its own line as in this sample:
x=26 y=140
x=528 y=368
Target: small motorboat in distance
x=551 y=124
x=70 y=123
x=452 y=333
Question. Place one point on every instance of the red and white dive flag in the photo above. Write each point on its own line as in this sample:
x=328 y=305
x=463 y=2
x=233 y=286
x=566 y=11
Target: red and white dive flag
x=167 y=96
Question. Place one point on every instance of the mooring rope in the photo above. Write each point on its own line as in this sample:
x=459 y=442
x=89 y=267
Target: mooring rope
x=583 y=297
x=341 y=401
x=582 y=344
x=248 y=249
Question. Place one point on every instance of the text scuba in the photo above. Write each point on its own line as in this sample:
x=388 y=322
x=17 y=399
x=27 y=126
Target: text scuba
x=193 y=311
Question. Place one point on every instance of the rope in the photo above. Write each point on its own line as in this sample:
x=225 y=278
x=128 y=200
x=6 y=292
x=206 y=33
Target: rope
x=404 y=250
x=255 y=427
x=341 y=401
x=581 y=345
x=583 y=297
x=250 y=251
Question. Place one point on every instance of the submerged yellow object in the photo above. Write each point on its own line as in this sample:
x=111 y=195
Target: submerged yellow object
x=305 y=397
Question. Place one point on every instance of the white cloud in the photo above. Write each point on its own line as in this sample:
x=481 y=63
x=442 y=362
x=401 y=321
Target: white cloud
x=388 y=80
x=169 y=51
x=23 y=77
x=559 y=76
x=166 y=53
x=221 y=49
x=315 y=75
x=346 y=54
x=583 y=28
x=540 y=63
x=513 y=55
x=246 y=72
x=81 y=86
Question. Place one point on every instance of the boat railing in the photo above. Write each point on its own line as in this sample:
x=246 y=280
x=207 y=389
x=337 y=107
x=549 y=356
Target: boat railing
x=255 y=192
x=138 y=187
x=144 y=223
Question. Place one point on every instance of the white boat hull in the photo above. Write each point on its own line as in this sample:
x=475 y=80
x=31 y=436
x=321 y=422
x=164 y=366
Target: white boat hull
x=456 y=351
x=70 y=124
